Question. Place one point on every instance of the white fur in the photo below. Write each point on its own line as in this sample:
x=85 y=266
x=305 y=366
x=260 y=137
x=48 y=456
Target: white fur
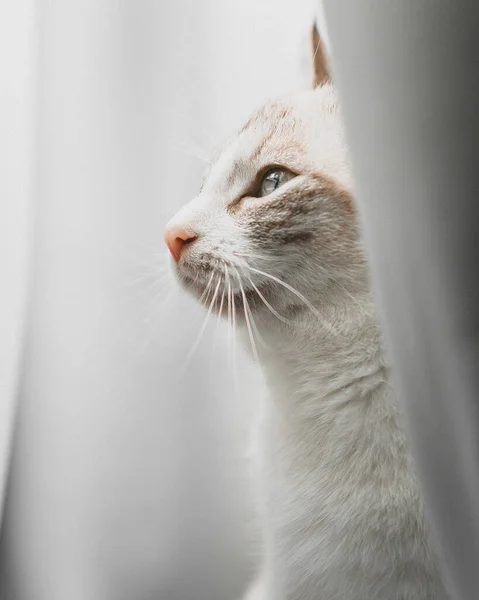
x=341 y=513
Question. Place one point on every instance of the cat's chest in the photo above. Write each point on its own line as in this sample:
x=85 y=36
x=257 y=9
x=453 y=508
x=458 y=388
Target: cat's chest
x=337 y=508
x=321 y=538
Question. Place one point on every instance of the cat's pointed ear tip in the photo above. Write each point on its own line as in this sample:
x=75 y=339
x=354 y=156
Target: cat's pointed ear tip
x=321 y=73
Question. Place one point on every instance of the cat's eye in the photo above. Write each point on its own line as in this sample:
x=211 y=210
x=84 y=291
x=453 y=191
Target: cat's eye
x=272 y=180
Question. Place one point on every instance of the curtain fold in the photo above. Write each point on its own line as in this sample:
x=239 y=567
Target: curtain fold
x=127 y=471
x=407 y=77
x=17 y=174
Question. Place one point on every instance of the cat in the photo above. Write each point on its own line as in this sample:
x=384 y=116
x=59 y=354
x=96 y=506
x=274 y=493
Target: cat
x=273 y=239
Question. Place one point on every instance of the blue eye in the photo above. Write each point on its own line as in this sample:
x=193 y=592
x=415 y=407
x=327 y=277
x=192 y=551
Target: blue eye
x=272 y=180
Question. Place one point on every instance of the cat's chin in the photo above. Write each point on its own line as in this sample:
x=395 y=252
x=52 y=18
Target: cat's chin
x=220 y=299
x=234 y=308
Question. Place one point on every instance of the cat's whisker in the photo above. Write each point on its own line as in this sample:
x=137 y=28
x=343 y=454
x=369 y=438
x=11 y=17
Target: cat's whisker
x=346 y=292
x=154 y=272
x=254 y=326
x=157 y=276
x=248 y=323
x=155 y=300
x=334 y=281
x=145 y=284
x=129 y=329
x=249 y=311
x=228 y=297
x=153 y=330
x=229 y=322
x=233 y=345
x=206 y=291
x=215 y=336
x=155 y=263
x=272 y=310
x=139 y=253
x=218 y=320
x=297 y=294
x=288 y=287
x=220 y=310
x=152 y=297
x=204 y=325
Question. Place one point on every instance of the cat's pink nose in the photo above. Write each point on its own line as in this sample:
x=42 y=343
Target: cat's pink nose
x=175 y=238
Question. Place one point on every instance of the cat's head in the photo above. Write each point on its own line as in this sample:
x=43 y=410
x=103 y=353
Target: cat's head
x=275 y=212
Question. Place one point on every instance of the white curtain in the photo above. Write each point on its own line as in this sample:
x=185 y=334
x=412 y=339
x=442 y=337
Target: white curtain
x=125 y=468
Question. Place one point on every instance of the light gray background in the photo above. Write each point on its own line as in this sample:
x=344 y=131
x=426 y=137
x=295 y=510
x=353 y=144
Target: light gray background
x=126 y=479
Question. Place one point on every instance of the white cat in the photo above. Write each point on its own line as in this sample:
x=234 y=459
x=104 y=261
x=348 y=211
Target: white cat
x=272 y=238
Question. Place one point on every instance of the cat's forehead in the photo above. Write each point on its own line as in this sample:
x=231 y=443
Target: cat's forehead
x=274 y=117
x=291 y=132
x=299 y=116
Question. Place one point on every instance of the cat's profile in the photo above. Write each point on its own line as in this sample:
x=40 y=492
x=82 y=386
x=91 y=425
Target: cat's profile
x=273 y=238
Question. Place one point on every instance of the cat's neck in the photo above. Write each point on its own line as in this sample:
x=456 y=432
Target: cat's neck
x=336 y=353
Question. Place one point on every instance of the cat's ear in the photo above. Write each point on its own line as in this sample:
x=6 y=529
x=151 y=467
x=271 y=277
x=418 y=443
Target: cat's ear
x=321 y=73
